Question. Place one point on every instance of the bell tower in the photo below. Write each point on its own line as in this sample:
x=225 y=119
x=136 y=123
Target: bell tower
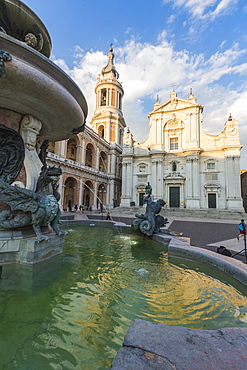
x=108 y=122
x=108 y=119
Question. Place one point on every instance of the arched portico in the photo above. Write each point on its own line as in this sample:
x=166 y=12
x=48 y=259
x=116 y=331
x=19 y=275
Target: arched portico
x=88 y=195
x=103 y=162
x=70 y=194
x=101 y=195
x=90 y=156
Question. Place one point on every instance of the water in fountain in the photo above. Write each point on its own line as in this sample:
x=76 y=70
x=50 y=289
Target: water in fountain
x=73 y=311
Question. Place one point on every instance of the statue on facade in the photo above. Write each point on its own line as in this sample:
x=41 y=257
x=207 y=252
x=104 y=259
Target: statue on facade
x=148 y=189
x=150 y=222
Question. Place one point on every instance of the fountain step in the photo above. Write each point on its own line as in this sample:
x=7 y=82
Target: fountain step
x=186 y=212
x=150 y=345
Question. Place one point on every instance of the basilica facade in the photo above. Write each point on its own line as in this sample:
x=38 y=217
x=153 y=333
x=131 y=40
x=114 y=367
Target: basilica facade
x=185 y=166
x=91 y=160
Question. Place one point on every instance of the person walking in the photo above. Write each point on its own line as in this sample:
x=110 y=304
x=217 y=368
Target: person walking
x=242 y=229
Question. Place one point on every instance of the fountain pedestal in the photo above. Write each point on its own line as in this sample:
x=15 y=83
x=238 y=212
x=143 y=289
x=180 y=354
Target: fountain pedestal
x=22 y=246
x=38 y=103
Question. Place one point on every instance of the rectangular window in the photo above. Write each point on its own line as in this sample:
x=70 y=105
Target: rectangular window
x=174 y=143
x=210 y=166
x=142 y=168
x=211 y=176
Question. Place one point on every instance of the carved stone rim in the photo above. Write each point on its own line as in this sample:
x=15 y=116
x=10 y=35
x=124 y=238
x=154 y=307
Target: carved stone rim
x=17 y=19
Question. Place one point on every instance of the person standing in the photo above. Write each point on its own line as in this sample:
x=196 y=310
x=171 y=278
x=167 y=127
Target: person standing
x=242 y=229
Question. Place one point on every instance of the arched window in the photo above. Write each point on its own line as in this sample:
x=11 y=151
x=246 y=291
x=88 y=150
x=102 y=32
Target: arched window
x=69 y=194
x=101 y=196
x=71 y=150
x=102 y=162
x=88 y=194
x=89 y=155
x=103 y=97
x=101 y=131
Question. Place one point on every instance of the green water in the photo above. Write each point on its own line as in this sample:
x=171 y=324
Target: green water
x=73 y=312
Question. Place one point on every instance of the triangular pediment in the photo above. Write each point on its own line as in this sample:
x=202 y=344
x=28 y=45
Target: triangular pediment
x=174 y=104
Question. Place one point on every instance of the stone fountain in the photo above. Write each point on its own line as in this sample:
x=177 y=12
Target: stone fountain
x=38 y=103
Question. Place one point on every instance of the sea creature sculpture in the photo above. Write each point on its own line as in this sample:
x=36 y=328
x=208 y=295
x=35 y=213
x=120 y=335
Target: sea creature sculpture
x=38 y=208
x=150 y=222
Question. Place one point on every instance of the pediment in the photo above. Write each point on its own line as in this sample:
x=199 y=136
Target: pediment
x=174 y=104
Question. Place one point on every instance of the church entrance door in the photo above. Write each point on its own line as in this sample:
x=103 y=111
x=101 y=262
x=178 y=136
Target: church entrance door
x=211 y=200
x=174 y=197
x=141 y=199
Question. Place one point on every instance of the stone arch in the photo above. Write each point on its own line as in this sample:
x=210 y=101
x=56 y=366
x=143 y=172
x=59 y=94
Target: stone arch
x=71 y=152
x=88 y=195
x=90 y=156
x=101 y=196
x=103 y=162
x=70 y=196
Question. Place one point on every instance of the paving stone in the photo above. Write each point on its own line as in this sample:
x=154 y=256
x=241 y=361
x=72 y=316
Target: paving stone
x=182 y=348
x=137 y=359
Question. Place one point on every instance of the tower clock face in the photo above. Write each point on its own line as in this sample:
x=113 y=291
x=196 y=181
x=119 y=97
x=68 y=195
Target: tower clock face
x=232 y=129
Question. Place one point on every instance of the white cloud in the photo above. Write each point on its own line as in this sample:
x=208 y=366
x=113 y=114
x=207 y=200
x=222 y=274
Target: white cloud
x=204 y=9
x=147 y=70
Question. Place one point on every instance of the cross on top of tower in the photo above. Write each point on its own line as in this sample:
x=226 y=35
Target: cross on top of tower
x=173 y=85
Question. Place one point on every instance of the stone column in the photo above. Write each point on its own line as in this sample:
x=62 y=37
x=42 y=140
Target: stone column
x=111 y=194
x=108 y=130
x=83 y=152
x=182 y=194
x=97 y=158
x=80 y=192
x=196 y=183
x=113 y=164
x=153 y=180
x=129 y=171
x=188 y=177
x=60 y=190
x=63 y=149
x=195 y=174
x=124 y=165
x=189 y=183
x=160 y=180
x=95 y=195
x=126 y=184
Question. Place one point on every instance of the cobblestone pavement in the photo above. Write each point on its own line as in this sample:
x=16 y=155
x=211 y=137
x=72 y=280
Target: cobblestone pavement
x=203 y=233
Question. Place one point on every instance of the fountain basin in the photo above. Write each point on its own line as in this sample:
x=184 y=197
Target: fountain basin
x=17 y=20
x=74 y=311
x=33 y=84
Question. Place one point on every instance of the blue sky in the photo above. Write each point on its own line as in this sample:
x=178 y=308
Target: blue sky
x=198 y=44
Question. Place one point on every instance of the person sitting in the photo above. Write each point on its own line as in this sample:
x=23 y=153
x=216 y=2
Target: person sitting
x=108 y=217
